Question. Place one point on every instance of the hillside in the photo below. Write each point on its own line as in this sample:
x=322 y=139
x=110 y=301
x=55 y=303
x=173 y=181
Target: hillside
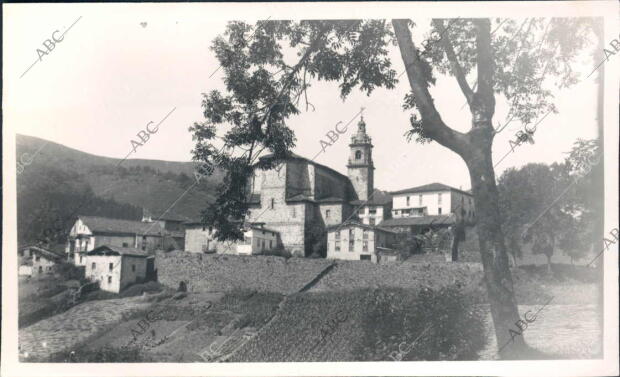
x=62 y=180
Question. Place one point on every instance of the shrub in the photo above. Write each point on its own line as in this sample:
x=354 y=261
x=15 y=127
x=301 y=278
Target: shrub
x=106 y=354
x=438 y=324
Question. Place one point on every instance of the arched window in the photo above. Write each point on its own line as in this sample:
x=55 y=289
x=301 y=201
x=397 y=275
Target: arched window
x=358 y=155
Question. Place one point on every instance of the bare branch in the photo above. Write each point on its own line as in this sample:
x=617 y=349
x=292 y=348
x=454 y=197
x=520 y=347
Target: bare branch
x=432 y=124
x=457 y=70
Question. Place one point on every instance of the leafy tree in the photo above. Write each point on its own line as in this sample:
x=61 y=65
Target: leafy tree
x=264 y=88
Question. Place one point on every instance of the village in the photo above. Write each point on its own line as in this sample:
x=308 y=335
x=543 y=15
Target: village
x=296 y=210
x=286 y=190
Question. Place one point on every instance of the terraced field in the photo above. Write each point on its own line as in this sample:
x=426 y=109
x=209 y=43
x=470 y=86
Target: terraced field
x=64 y=330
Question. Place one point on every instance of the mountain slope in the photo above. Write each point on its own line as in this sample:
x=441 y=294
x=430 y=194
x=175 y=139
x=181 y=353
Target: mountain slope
x=58 y=182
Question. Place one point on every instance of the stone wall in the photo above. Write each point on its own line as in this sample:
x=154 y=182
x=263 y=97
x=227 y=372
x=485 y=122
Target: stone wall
x=216 y=273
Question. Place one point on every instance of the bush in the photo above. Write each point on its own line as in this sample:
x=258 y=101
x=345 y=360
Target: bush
x=106 y=354
x=69 y=271
x=438 y=324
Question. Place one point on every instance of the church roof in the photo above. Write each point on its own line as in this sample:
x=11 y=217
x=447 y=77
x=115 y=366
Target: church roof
x=294 y=156
x=430 y=187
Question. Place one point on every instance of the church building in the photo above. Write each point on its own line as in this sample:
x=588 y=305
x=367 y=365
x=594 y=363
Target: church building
x=301 y=198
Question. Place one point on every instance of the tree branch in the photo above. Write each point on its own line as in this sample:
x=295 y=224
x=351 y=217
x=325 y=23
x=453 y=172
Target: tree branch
x=457 y=70
x=483 y=104
x=432 y=124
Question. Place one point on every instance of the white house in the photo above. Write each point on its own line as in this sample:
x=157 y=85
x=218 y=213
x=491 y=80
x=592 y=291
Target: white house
x=434 y=199
x=115 y=267
x=256 y=240
x=355 y=241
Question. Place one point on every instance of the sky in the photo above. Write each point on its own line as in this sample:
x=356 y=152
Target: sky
x=120 y=67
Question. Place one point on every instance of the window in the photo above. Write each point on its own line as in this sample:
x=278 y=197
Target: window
x=93 y=266
x=270 y=244
x=133 y=268
x=37 y=258
x=111 y=266
x=49 y=268
x=109 y=279
x=358 y=155
x=40 y=269
x=365 y=234
x=327 y=213
x=365 y=246
x=372 y=211
x=337 y=248
x=407 y=201
x=439 y=198
x=420 y=199
x=125 y=244
x=338 y=235
x=364 y=257
x=351 y=239
x=263 y=245
x=81 y=259
x=273 y=203
x=371 y=221
x=439 y=210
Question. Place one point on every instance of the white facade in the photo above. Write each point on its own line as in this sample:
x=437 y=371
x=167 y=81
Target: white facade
x=115 y=272
x=256 y=240
x=356 y=242
x=432 y=203
x=371 y=215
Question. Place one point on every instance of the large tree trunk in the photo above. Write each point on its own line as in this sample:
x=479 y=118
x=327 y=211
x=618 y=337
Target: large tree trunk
x=475 y=149
x=493 y=252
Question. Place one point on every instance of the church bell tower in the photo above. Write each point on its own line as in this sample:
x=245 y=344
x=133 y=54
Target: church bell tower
x=360 y=166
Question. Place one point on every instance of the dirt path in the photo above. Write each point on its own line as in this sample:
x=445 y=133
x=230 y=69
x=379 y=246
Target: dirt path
x=64 y=330
x=567 y=330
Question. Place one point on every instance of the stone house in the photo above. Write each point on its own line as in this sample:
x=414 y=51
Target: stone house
x=44 y=261
x=115 y=267
x=356 y=241
x=90 y=232
x=257 y=239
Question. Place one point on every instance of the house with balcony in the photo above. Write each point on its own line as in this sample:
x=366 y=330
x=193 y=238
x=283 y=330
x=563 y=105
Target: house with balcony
x=434 y=199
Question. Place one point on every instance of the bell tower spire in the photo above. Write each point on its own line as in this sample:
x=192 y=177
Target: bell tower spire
x=360 y=166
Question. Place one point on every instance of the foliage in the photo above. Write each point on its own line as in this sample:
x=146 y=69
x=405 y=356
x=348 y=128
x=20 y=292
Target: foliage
x=551 y=206
x=258 y=103
x=433 y=325
x=106 y=354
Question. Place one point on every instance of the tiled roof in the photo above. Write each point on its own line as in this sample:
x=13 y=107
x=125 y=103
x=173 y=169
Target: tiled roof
x=358 y=224
x=107 y=225
x=46 y=253
x=419 y=220
x=117 y=250
x=294 y=156
x=378 y=198
x=429 y=187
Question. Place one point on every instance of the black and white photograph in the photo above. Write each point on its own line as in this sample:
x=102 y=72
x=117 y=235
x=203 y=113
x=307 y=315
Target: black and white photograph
x=316 y=189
